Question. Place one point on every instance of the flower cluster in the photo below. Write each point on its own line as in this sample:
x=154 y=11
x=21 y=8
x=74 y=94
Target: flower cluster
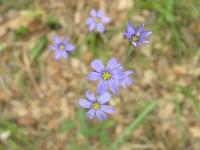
x=110 y=76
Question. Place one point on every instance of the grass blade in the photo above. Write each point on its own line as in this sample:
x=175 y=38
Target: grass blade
x=189 y=95
x=39 y=45
x=133 y=125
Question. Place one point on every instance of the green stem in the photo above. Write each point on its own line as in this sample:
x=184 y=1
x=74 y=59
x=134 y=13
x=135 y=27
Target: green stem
x=127 y=56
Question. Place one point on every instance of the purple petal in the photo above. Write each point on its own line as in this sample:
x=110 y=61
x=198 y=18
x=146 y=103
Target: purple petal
x=128 y=72
x=90 y=96
x=117 y=81
x=107 y=108
x=144 y=34
x=101 y=87
x=100 y=114
x=113 y=86
x=70 y=47
x=119 y=66
x=130 y=27
x=65 y=40
x=57 y=39
x=58 y=54
x=129 y=36
x=140 y=28
x=89 y=21
x=64 y=54
x=100 y=13
x=145 y=42
x=97 y=65
x=92 y=26
x=93 y=13
x=53 y=47
x=111 y=64
x=84 y=103
x=94 y=76
x=128 y=80
x=100 y=27
x=135 y=43
x=90 y=113
x=123 y=83
x=104 y=98
x=117 y=74
x=105 y=19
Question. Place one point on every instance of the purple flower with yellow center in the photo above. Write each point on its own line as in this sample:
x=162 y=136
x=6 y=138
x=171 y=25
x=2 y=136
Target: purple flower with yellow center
x=136 y=36
x=106 y=75
x=126 y=79
x=96 y=20
x=96 y=106
x=62 y=47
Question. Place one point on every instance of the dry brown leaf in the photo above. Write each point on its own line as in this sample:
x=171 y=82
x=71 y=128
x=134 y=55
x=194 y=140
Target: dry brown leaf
x=52 y=123
x=197 y=26
x=17 y=22
x=173 y=136
x=195 y=131
x=179 y=70
x=145 y=12
x=125 y=4
x=1 y=19
x=5 y=95
x=75 y=66
x=138 y=18
x=3 y=30
x=135 y=88
x=87 y=56
x=26 y=121
x=166 y=111
x=148 y=77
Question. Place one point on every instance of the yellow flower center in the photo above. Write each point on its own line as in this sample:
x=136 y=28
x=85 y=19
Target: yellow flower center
x=61 y=47
x=135 y=37
x=106 y=75
x=96 y=105
x=96 y=20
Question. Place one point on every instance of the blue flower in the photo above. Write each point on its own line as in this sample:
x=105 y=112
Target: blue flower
x=126 y=79
x=106 y=75
x=96 y=105
x=96 y=20
x=136 y=36
x=62 y=47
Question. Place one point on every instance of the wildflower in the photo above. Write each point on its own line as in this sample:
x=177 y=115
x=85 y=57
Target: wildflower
x=136 y=36
x=96 y=20
x=96 y=105
x=125 y=80
x=107 y=76
x=61 y=47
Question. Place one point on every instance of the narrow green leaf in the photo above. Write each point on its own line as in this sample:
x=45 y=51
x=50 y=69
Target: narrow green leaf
x=107 y=124
x=52 y=20
x=14 y=145
x=14 y=130
x=84 y=129
x=81 y=115
x=133 y=125
x=189 y=95
x=67 y=126
x=38 y=46
x=104 y=138
x=94 y=130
